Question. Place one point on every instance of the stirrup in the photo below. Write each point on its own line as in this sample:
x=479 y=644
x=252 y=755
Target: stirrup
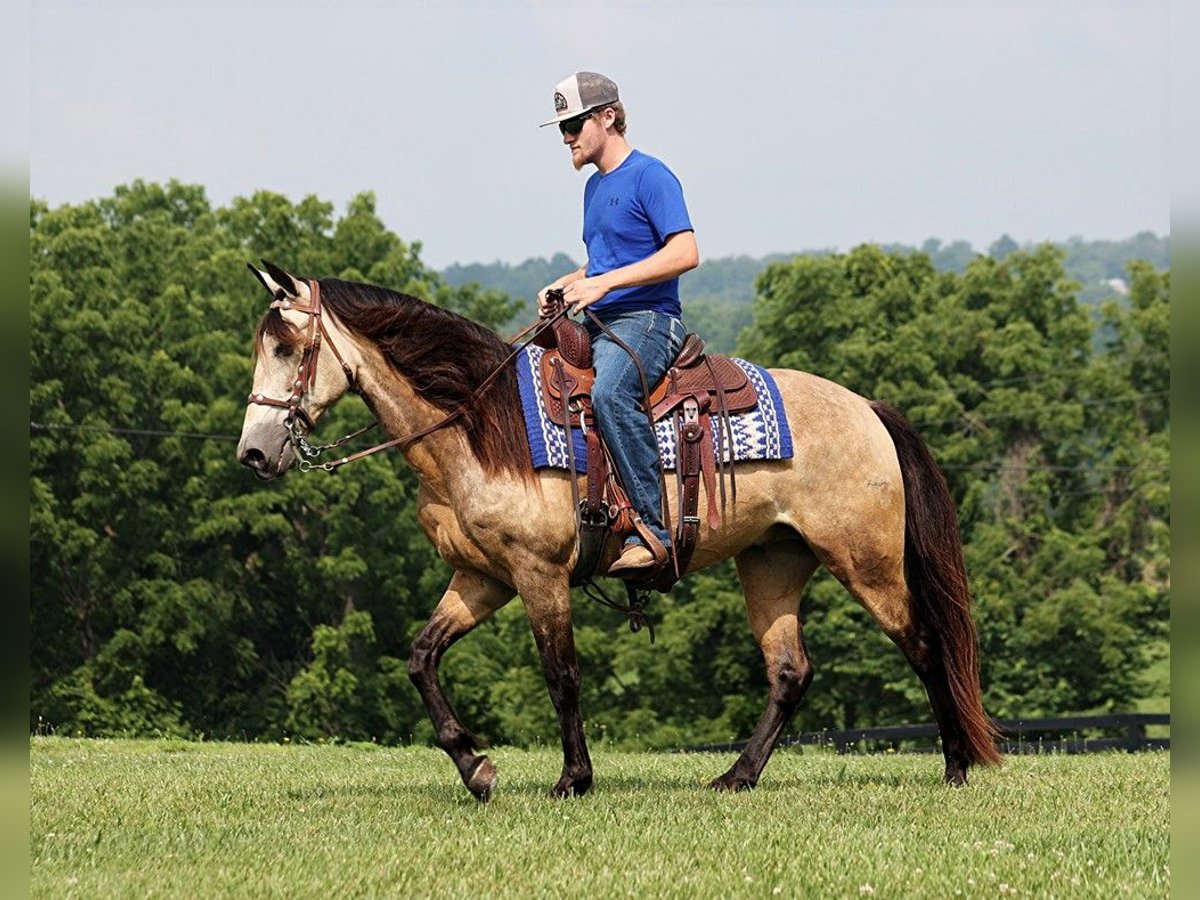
x=635 y=609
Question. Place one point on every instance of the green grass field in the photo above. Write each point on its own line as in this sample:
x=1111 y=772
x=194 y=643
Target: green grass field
x=163 y=818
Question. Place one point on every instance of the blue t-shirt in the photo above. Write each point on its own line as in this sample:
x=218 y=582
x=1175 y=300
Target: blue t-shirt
x=628 y=215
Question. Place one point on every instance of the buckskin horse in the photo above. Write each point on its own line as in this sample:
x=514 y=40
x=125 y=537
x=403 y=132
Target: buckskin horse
x=861 y=496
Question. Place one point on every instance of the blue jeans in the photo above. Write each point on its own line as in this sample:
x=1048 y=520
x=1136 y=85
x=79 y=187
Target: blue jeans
x=616 y=397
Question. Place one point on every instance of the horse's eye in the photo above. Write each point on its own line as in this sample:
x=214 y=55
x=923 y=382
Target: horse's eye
x=283 y=351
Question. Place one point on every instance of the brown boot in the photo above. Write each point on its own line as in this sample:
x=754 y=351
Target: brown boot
x=634 y=560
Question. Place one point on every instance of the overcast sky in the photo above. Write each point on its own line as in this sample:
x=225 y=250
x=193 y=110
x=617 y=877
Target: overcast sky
x=792 y=126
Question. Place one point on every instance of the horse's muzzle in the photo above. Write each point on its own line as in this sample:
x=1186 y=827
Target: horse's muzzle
x=257 y=461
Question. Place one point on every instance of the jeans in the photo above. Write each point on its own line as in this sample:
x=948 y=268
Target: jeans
x=616 y=397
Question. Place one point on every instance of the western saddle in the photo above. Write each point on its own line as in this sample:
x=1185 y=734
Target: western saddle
x=698 y=390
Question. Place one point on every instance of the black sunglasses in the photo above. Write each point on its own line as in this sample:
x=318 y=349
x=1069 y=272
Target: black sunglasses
x=574 y=125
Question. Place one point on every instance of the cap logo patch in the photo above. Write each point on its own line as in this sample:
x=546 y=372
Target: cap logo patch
x=560 y=102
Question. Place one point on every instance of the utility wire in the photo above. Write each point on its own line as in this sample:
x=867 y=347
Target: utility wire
x=142 y=432
x=954 y=467
x=1107 y=401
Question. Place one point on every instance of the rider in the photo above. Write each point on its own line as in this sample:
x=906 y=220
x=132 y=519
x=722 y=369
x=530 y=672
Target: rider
x=639 y=240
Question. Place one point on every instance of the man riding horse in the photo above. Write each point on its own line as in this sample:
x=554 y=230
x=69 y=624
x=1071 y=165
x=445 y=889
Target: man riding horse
x=639 y=241
x=858 y=493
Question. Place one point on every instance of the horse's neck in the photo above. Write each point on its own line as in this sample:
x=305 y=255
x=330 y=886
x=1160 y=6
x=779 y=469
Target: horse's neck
x=442 y=460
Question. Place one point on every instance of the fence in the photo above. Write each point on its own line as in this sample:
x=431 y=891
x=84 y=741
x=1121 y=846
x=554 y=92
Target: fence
x=1060 y=734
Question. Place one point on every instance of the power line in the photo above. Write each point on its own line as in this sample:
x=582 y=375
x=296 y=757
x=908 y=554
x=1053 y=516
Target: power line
x=987 y=387
x=949 y=467
x=1000 y=467
x=140 y=432
x=1108 y=401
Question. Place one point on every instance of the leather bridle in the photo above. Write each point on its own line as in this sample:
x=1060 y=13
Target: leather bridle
x=306 y=376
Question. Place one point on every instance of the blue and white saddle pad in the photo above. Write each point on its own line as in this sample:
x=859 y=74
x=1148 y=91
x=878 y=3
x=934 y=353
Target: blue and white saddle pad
x=761 y=433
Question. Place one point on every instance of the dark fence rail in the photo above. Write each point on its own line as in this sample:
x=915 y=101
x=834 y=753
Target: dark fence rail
x=1059 y=734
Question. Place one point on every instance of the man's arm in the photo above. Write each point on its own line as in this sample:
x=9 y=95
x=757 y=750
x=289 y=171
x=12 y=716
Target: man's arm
x=678 y=255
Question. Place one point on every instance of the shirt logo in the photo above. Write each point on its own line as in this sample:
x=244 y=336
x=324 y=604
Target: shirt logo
x=560 y=102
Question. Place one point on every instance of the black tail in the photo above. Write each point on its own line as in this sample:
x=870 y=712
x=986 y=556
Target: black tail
x=937 y=579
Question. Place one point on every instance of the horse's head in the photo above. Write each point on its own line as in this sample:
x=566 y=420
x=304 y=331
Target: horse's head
x=294 y=383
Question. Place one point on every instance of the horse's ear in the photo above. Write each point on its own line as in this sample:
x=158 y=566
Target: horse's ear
x=274 y=288
x=286 y=281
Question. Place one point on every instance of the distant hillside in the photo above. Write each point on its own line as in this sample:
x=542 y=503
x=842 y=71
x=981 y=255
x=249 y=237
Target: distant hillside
x=717 y=296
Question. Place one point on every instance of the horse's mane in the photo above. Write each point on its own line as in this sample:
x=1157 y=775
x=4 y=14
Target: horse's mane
x=445 y=357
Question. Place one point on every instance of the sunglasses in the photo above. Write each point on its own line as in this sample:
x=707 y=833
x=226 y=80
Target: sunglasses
x=575 y=125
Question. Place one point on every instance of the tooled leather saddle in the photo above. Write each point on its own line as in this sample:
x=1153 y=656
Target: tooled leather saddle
x=699 y=393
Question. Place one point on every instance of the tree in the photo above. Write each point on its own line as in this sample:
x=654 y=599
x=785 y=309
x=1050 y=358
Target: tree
x=172 y=594
x=162 y=581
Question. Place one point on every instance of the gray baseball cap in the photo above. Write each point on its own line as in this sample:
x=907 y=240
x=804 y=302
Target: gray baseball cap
x=580 y=92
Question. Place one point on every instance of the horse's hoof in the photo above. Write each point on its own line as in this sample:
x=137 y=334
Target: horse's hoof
x=570 y=787
x=482 y=780
x=956 y=777
x=731 y=783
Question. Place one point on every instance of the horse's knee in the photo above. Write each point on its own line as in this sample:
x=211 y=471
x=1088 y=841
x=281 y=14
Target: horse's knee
x=422 y=660
x=791 y=681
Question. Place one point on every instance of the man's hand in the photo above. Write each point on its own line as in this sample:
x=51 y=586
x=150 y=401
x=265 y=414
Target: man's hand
x=545 y=306
x=579 y=295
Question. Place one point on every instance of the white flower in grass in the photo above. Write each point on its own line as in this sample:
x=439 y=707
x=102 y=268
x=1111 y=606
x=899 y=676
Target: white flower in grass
x=866 y=889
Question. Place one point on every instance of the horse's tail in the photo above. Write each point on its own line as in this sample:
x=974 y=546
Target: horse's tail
x=937 y=580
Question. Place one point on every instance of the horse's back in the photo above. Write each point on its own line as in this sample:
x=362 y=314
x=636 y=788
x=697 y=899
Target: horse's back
x=827 y=419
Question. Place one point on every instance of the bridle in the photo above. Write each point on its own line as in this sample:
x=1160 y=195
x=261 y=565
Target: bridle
x=298 y=421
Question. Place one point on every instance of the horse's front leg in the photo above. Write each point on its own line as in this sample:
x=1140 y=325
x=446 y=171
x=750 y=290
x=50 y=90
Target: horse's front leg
x=470 y=598
x=548 y=605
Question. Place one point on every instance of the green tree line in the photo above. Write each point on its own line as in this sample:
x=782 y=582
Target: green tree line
x=173 y=594
x=718 y=296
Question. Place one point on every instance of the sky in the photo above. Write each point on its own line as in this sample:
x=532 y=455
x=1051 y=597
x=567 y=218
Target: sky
x=792 y=125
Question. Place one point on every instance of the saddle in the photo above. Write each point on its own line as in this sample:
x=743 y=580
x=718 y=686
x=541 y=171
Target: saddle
x=699 y=392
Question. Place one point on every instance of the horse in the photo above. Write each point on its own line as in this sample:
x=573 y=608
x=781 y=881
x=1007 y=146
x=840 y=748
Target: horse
x=861 y=496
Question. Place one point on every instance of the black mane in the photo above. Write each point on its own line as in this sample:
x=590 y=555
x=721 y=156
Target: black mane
x=445 y=357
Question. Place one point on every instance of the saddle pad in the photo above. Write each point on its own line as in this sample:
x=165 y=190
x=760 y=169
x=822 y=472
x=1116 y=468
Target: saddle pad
x=761 y=433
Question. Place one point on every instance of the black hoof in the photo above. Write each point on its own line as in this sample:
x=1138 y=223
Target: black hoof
x=731 y=783
x=956 y=776
x=571 y=786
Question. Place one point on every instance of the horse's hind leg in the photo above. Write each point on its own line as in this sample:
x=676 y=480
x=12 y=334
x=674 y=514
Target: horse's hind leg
x=468 y=600
x=889 y=601
x=773 y=578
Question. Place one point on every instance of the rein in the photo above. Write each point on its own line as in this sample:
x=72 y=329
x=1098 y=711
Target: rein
x=307 y=373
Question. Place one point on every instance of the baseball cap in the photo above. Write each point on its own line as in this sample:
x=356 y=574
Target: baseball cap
x=580 y=92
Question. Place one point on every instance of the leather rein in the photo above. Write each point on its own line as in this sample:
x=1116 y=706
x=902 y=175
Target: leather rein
x=298 y=421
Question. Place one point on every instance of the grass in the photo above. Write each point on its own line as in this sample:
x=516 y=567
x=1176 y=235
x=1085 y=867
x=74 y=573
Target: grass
x=169 y=818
